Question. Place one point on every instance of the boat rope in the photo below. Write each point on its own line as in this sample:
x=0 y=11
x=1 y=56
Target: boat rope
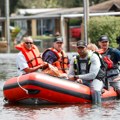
x=18 y=78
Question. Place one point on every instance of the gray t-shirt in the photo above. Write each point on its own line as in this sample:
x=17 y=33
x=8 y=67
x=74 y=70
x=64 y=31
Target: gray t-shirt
x=94 y=67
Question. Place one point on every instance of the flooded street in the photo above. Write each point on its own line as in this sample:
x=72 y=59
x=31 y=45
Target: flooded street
x=107 y=111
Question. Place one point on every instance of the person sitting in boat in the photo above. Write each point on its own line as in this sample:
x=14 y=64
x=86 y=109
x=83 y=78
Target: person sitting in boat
x=57 y=57
x=29 y=59
x=84 y=68
x=92 y=47
x=114 y=55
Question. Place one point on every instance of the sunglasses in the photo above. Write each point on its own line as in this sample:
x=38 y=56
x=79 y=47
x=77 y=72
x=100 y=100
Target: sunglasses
x=59 y=42
x=28 y=43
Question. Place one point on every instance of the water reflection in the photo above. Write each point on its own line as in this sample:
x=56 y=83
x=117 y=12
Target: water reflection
x=106 y=111
x=7 y=65
x=59 y=112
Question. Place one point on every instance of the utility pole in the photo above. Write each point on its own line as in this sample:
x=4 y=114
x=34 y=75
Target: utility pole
x=7 y=22
x=86 y=19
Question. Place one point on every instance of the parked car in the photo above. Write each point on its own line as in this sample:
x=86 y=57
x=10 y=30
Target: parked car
x=75 y=32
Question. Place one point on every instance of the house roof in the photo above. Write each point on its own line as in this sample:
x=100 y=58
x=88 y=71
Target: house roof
x=110 y=5
x=34 y=11
x=106 y=6
x=52 y=11
x=63 y=11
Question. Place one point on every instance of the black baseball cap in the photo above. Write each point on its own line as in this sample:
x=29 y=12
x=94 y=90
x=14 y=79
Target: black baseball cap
x=81 y=43
x=58 y=39
x=103 y=38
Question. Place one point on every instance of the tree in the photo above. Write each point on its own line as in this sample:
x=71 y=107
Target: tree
x=2 y=8
x=107 y=25
x=96 y=1
x=13 y=4
x=71 y=3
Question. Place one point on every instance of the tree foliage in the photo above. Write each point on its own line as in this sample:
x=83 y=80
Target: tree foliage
x=56 y=3
x=2 y=7
x=14 y=4
x=107 y=25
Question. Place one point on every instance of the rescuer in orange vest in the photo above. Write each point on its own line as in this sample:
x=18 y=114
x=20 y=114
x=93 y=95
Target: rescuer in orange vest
x=57 y=57
x=29 y=59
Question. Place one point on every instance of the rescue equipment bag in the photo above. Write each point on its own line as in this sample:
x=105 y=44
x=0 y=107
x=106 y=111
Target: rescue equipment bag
x=51 y=70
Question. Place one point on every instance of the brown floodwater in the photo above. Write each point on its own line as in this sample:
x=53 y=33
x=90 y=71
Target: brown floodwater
x=107 y=111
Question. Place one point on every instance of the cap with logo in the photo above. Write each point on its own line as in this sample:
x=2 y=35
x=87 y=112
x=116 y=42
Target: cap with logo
x=81 y=43
x=58 y=39
x=103 y=38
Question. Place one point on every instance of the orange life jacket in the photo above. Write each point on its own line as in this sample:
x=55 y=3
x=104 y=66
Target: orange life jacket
x=62 y=62
x=32 y=56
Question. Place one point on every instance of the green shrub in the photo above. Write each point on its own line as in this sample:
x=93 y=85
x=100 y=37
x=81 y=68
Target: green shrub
x=14 y=33
x=75 y=22
x=107 y=25
x=43 y=37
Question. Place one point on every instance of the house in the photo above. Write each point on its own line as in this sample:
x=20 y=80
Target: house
x=49 y=25
x=48 y=21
